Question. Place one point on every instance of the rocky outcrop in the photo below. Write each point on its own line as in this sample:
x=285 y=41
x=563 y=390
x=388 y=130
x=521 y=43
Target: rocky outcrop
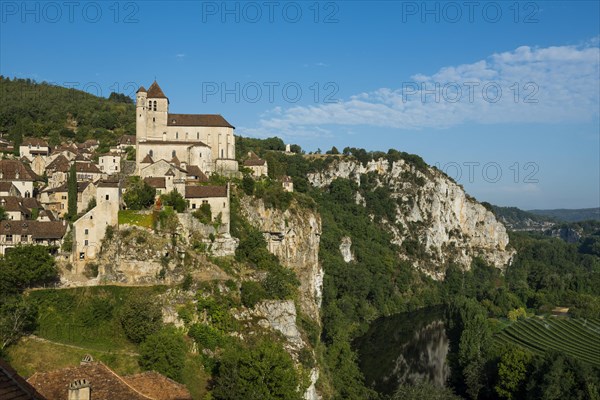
x=293 y=235
x=435 y=218
x=346 y=249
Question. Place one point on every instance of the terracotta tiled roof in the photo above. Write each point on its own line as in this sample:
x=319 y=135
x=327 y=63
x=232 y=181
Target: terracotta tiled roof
x=286 y=179
x=5 y=186
x=104 y=383
x=147 y=160
x=141 y=89
x=194 y=170
x=108 y=183
x=10 y=168
x=34 y=142
x=157 y=183
x=87 y=167
x=128 y=139
x=254 y=163
x=44 y=213
x=59 y=164
x=13 y=204
x=198 y=192
x=158 y=387
x=155 y=92
x=37 y=229
x=30 y=203
x=215 y=120
x=175 y=161
x=14 y=387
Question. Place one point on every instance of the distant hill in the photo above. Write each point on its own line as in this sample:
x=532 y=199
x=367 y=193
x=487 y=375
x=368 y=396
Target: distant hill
x=55 y=113
x=570 y=215
x=516 y=219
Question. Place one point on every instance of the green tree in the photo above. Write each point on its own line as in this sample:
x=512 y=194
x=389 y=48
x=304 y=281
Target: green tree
x=3 y=215
x=26 y=266
x=248 y=185
x=175 y=200
x=424 y=391
x=512 y=372
x=72 y=193
x=139 y=194
x=140 y=318
x=264 y=372
x=164 y=352
x=17 y=317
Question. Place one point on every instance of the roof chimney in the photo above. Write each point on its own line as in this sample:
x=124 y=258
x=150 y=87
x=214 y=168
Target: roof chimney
x=79 y=390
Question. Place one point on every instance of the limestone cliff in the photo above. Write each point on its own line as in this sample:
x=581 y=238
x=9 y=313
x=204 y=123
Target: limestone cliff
x=293 y=235
x=434 y=215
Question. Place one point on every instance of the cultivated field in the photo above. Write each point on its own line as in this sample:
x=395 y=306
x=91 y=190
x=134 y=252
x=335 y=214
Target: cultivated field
x=579 y=338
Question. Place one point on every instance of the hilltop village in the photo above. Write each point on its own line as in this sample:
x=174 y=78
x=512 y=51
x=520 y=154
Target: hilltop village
x=171 y=153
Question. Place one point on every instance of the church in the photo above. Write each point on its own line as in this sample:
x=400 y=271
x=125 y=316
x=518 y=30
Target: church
x=185 y=140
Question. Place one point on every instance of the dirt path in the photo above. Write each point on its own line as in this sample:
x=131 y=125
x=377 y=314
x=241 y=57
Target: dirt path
x=39 y=339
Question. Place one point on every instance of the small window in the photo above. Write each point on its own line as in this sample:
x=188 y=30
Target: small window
x=154 y=105
x=176 y=135
x=106 y=197
x=153 y=119
x=173 y=154
x=194 y=205
x=150 y=153
x=87 y=231
x=114 y=160
x=82 y=256
x=197 y=135
x=9 y=238
x=204 y=201
x=85 y=243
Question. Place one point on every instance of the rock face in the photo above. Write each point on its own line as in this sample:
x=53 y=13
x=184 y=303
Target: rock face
x=293 y=235
x=433 y=214
x=280 y=316
x=346 y=249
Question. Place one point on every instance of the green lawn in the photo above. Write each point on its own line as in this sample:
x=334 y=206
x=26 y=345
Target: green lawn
x=133 y=217
x=579 y=338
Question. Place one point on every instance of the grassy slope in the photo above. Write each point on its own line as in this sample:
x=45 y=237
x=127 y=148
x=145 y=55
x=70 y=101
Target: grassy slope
x=68 y=328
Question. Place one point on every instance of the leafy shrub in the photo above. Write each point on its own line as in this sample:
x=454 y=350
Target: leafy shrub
x=206 y=336
x=164 y=352
x=175 y=200
x=203 y=214
x=140 y=317
x=139 y=194
x=252 y=293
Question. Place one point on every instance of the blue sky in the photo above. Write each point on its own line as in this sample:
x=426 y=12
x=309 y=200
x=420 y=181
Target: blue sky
x=377 y=75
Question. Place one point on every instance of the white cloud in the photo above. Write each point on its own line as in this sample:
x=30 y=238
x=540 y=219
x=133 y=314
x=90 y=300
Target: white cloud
x=539 y=85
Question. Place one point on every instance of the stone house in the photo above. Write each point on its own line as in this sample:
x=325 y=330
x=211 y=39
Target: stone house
x=287 y=184
x=175 y=177
x=89 y=230
x=32 y=147
x=56 y=199
x=215 y=196
x=14 y=387
x=159 y=184
x=258 y=166
x=13 y=233
x=21 y=176
x=8 y=189
x=57 y=170
x=38 y=164
x=92 y=380
x=87 y=171
x=14 y=208
x=110 y=163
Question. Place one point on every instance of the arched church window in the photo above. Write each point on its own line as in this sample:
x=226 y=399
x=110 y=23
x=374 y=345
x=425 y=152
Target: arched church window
x=198 y=135
x=176 y=135
x=154 y=105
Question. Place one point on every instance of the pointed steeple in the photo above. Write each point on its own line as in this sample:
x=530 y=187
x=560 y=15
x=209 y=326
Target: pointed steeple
x=155 y=92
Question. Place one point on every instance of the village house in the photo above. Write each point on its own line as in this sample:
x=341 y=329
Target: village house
x=126 y=141
x=215 y=196
x=38 y=164
x=14 y=233
x=8 y=189
x=14 y=208
x=56 y=199
x=32 y=147
x=15 y=387
x=87 y=171
x=57 y=171
x=258 y=166
x=287 y=184
x=157 y=183
x=175 y=177
x=21 y=176
x=92 y=380
x=204 y=140
x=89 y=230
x=110 y=163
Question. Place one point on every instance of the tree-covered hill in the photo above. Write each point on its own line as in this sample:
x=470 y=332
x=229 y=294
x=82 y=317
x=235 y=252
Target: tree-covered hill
x=570 y=215
x=31 y=109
